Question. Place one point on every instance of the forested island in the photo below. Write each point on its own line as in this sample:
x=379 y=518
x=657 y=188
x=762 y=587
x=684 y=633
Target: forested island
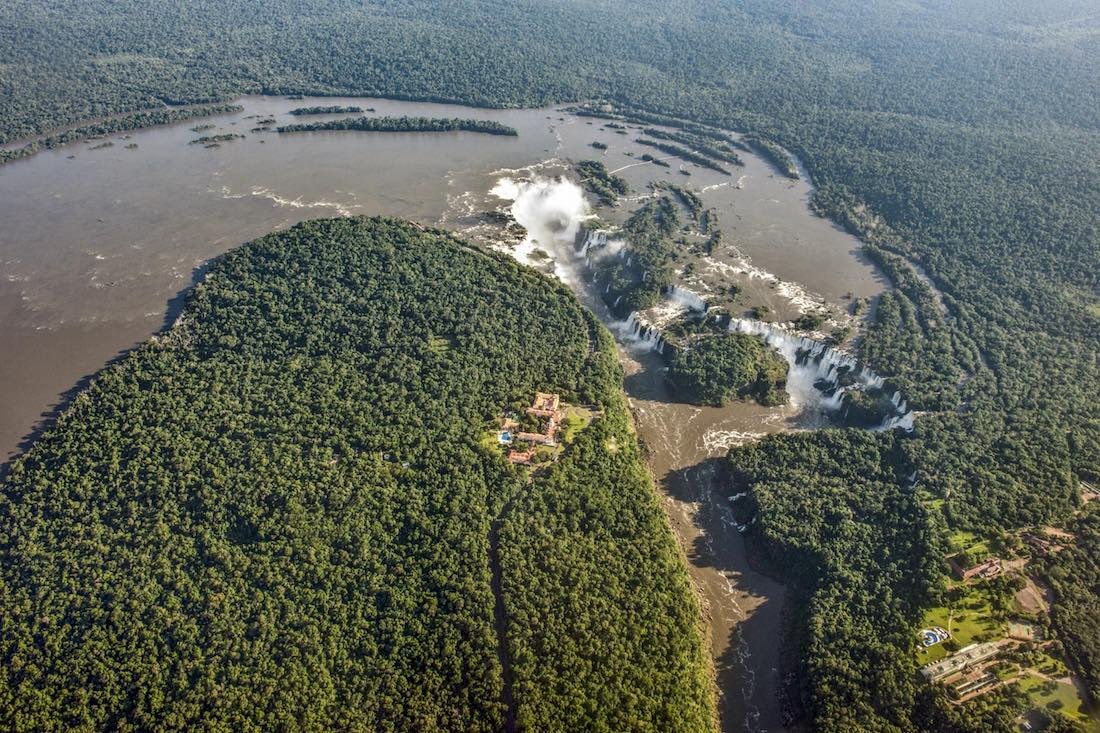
x=699 y=159
x=637 y=282
x=606 y=186
x=403 y=124
x=334 y=109
x=714 y=146
x=775 y=155
x=119 y=124
x=716 y=369
x=210 y=140
x=280 y=513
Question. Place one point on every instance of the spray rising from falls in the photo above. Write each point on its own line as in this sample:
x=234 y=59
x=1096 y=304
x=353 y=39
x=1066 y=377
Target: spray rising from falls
x=687 y=298
x=819 y=378
x=819 y=375
x=552 y=212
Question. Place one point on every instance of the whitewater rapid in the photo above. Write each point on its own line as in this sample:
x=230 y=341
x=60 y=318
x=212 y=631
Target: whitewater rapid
x=811 y=362
x=553 y=212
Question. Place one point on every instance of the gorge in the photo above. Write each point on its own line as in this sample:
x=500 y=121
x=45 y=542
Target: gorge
x=116 y=295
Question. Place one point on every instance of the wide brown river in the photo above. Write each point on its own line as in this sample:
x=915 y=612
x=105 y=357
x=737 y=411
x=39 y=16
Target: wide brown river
x=96 y=246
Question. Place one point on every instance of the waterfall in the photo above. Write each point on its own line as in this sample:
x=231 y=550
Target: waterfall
x=688 y=298
x=819 y=376
x=814 y=377
x=632 y=324
x=905 y=422
x=593 y=239
x=636 y=330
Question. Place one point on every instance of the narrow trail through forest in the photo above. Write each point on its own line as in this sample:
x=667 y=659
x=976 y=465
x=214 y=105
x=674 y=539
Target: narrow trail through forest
x=500 y=621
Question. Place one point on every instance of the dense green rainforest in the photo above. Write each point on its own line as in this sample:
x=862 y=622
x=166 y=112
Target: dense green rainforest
x=402 y=124
x=717 y=369
x=280 y=514
x=963 y=137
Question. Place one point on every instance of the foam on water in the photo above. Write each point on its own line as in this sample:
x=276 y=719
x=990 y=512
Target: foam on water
x=553 y=211
x=811 y=362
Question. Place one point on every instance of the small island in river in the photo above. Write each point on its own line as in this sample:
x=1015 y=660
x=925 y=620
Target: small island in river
x=335 y=109
x=715 y=370
x=404 y=124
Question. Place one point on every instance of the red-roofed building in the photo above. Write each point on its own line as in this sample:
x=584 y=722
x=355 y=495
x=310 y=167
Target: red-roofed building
x=522 y=457
x=545 y=405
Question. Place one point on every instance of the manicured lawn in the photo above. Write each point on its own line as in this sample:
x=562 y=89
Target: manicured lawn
x=548 y=453
x=962 y=540
x=968 y=621
x=575 y=420
x=1051 y=666
x=1062 y=698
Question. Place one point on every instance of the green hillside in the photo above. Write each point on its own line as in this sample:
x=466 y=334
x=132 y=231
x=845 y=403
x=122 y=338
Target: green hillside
x=278 y=514
x=962 y=139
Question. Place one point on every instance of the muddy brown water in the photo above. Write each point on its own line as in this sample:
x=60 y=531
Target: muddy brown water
x=96 y=247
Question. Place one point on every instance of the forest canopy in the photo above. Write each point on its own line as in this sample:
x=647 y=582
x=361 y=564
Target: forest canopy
x=958 y=140
x=281 y=514
x=717 y=369
x=403 y=124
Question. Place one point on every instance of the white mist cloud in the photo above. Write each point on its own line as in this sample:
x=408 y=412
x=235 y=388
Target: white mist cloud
x=551 y=210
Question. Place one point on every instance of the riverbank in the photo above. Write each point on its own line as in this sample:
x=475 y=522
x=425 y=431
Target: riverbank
x=96 y=246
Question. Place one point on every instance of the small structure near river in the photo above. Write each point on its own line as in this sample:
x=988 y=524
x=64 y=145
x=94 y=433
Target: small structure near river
x=538 y=435
x=546 y=409
x=961 y=660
